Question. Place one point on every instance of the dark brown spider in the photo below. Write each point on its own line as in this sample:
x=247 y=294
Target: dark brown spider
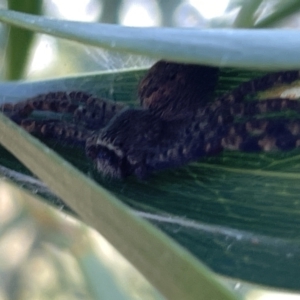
x=175 y=91
x=175 y=125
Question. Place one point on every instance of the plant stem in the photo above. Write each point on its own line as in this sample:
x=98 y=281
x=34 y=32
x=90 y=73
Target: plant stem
x=245 y=17
x=282 y=11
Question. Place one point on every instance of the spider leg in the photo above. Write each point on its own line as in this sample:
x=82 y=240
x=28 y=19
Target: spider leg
x=54 y=101
x=258 y=84
x=256 y=107
x=97 y=112
x=66 y=132
x=254 y=133
x=262 y=135
x=88 y=110
x=226 y=113
x=252 y=136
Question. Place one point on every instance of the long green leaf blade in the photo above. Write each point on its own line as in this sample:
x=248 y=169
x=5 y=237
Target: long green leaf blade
x=245 y=17
x=219 y=47
x=176 y=274
x=283 y=10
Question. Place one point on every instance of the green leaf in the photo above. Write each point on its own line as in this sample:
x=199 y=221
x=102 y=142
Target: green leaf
x=245 y=17
x=282 y=10
x=20 y=39
x=219 y=47
x=99 y=275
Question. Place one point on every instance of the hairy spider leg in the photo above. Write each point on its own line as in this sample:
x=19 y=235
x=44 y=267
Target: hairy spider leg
x=87 y=110
x=66 y=132
x=223 y=113
x=263 y=135
x=251 y=136
x=53 y=101
x=96 y=112
x=258 y=84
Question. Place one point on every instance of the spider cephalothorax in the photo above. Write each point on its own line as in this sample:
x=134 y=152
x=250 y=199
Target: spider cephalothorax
x=175 y=90
x=175 y=125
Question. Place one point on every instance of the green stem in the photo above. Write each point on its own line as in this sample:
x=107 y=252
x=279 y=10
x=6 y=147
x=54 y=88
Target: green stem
x=20 y=40
x=245 y=17
x=282 y=11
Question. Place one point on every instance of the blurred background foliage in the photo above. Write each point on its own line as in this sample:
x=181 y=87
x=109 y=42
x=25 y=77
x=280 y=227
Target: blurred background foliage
x=45 y=254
